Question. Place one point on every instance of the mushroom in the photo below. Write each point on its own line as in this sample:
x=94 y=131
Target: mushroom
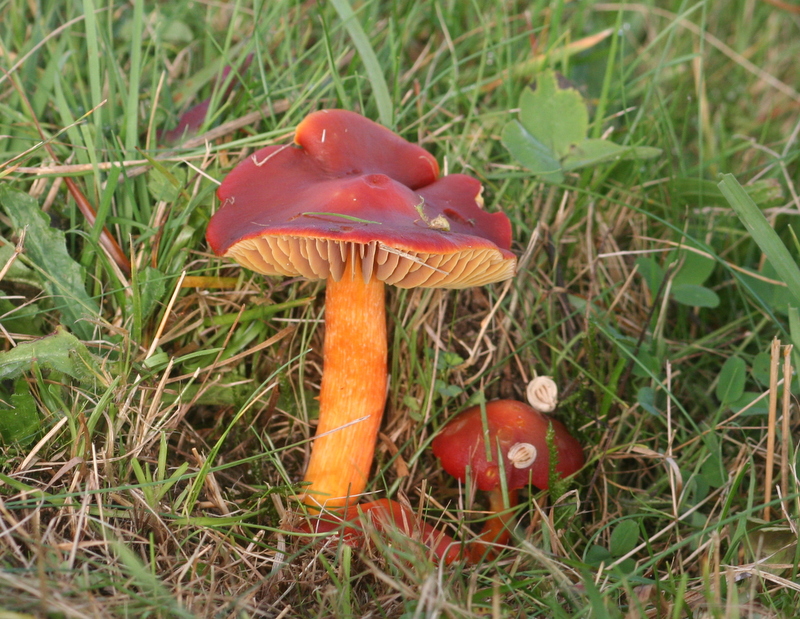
x=512 y=445
x=354 y=204
x=386 y=516
x=542 y=394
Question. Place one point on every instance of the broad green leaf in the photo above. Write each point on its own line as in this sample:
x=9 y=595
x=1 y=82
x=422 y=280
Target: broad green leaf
x=624 y=538
x=596 y=151
x=746 y=402
x=61 y=351
x=166 y=185
x=20 y=422
x=46 y=248
x=685 y=288
x=176 y=31
x=694 y=295
x=773 y=546
x=550 y=136
x=695 y=268
x=652 y=273
x=531 y=153
x=713 y=470
x=556 y=117
x=595 y=555
x=761 y=368
x=648 y=365
x=646 y=397
x=696 y=487
x=731 y=380
x=763 y=234
x=448 y=360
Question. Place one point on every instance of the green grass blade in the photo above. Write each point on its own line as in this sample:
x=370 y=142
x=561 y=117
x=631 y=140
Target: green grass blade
x=373 y=68
x=93 y=59
x=134 y=79
x=762 y=232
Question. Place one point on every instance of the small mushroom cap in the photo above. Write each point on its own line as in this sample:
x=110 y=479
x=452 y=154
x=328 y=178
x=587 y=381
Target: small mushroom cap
x=517 y=436
x=349 y=188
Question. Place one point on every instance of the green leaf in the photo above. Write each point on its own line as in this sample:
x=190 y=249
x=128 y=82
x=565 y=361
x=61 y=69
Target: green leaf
x=694 y=295
x=713 y=470
x=648 y=364
x=763 y=234
x=596 y=151
x=60 y=352
x=652 y=273
x=624 y=538
x=556 y=117
x=445 y=390
x=47 y=249
x=531 y=153
x=596 y=555
x=731 y=381
x=550 y=136
x=695 y=268
x=176 y=31
x=761 y=368
x=20 y=422
x=166 y=185
x=746 y=402
x=448 y=360
x=773 y=546
x=646 y=397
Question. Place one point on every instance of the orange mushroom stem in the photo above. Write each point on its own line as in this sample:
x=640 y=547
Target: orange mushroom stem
x=353 y=390
x=496 y=530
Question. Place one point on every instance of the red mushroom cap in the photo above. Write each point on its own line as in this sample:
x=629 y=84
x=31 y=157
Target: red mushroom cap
x=386 y=515
x=350 y=188
x=517 y=434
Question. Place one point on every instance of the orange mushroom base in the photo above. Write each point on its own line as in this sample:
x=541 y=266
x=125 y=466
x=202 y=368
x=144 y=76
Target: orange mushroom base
x=353 y=391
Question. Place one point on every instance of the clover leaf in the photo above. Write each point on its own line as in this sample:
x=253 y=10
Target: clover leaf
x=550 y=137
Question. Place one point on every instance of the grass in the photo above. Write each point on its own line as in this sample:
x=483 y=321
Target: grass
x=152 y=446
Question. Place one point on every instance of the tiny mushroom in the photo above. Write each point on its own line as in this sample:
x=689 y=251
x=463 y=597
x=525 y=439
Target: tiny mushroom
x=513 y=445
x=354 y=204
x=542 y=394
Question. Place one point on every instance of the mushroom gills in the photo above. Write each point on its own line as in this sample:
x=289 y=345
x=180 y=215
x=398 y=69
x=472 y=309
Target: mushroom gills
x=316 y=258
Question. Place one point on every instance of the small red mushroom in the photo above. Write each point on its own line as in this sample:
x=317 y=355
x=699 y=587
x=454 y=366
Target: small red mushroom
x=513 y=443
x=385 y=515
x=355 y=204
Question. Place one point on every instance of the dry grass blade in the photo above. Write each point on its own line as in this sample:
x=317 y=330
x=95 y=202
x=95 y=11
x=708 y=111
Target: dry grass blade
x=786 y=421
x=771 y=423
